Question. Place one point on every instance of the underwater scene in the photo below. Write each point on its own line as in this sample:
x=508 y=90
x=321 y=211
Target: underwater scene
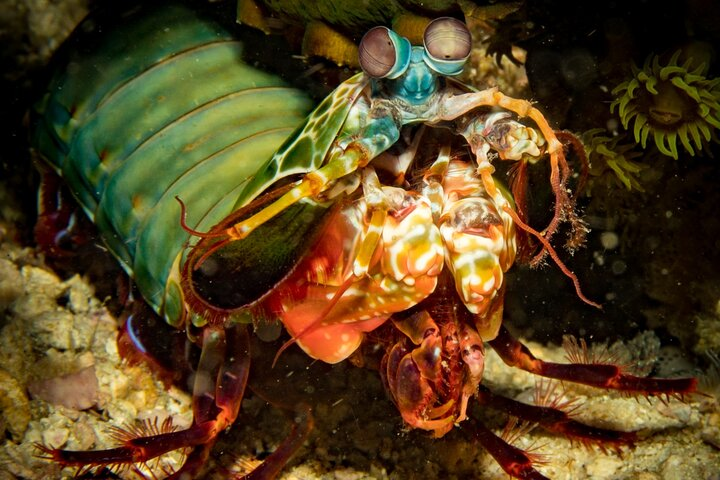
x=388 y=239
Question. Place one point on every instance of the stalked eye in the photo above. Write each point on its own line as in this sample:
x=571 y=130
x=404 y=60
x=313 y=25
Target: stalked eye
x=447 y=45
x=384 y=53
x=447 y=39
x=377 y=52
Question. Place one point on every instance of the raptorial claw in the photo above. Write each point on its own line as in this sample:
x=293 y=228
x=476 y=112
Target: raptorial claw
x=413 y=377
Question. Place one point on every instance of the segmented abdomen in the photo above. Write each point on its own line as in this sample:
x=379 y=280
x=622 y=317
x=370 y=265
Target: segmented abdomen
x=159 y=107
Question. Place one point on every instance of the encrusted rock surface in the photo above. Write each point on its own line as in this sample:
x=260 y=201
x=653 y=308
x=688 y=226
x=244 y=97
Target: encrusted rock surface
x=57 y=331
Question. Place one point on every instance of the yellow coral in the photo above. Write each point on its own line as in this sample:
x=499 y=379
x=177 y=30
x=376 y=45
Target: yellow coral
x=606 y=155
x=671 y=102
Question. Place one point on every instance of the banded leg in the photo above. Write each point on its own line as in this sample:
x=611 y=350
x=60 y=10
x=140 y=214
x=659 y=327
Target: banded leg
x=518 y=463
x=515 y=462
x=218 y=391
x=556 y=420
x=601 y=375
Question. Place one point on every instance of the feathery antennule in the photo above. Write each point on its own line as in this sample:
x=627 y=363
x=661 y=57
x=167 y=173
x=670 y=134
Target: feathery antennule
x=551 y=251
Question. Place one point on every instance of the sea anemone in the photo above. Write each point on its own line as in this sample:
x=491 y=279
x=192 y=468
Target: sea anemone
x=670 y=101
x=612 y=161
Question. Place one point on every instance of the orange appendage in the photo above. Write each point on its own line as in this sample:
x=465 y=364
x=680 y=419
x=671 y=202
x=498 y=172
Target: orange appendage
x=553 y=254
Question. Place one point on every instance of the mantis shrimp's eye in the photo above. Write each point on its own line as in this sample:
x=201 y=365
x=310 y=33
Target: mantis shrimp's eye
x=384 y=53
x=447 y=45
x=377 y=52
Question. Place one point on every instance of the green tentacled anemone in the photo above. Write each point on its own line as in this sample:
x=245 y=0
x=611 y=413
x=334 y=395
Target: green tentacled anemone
x=670 y=102
x=611 y=161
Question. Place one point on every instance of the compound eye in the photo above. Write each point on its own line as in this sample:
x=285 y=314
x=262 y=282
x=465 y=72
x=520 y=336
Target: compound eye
x=384 y=53
x=377 y=52
x=447 y=40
